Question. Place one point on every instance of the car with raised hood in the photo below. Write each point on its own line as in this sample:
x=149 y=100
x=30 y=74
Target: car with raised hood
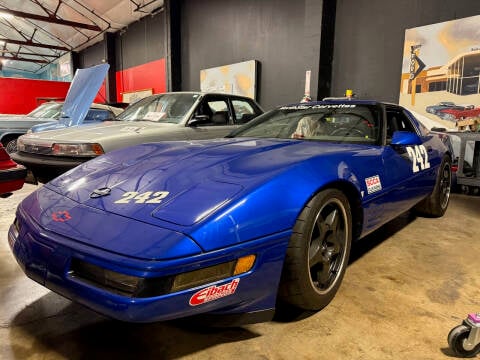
x=231 y=226
x=162 y=117
x=12 y=175
x=57 y=115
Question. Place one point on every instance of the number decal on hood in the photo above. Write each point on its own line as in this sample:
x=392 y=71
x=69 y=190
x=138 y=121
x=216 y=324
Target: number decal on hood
x=148 y=197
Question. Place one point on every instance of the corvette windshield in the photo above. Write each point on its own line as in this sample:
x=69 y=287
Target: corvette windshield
x=321 y=122
x=165 y=108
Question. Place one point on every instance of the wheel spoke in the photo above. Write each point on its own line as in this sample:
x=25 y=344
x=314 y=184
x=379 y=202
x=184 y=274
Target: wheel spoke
x=332 y=220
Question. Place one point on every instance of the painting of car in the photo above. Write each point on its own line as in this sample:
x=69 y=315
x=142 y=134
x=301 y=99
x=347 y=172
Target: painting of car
x=231 y=227
x=12 y=175
x=458 y=114
x=433 y=109
x=162 y=117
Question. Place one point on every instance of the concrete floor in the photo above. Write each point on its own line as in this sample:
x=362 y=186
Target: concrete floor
x=407 y=285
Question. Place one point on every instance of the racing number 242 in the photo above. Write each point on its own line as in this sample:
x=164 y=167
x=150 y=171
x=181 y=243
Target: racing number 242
x=419 y=156
x=148 y=197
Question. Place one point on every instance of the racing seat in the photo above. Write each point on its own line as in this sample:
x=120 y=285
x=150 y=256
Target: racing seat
x=220 y=118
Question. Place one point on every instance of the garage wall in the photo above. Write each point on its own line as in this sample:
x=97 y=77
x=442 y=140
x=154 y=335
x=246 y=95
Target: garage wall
x=369 y=36
x=283 y=35
x=140 y=56
x=24 y=95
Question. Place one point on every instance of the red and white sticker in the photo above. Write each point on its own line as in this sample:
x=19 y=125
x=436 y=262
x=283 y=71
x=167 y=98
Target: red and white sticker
x=373 y=184
x=213 y=293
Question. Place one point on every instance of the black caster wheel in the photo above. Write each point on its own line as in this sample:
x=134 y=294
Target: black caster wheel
x=456 y=339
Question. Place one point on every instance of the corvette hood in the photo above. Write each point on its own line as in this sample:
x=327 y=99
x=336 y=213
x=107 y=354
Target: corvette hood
x=81 y=93
x=182 y=182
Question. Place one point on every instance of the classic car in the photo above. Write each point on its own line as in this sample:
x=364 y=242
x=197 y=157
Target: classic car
x=434 y=109
x=73 y=111
x=231 y=226
x=45 y=117
x=12 y=175
x=457 y=114
x=168 y=116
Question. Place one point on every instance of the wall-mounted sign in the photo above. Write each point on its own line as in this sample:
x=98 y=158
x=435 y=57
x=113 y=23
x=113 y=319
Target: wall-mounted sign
x=441 y=72
x=239 y=79
x=132 y=96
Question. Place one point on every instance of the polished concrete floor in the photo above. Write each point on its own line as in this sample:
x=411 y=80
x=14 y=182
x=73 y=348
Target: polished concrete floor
x=407 y=285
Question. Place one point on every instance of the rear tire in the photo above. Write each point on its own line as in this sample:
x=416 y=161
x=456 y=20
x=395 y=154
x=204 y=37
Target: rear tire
x=318 y=252
x=436 y=203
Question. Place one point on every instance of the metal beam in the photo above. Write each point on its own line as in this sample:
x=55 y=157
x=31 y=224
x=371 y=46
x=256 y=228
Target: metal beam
x=31 y=43
x=51 y=19
x=16 y=58
x=27 y=53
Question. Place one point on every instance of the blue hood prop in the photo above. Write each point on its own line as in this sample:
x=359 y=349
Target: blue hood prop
x=81 y=94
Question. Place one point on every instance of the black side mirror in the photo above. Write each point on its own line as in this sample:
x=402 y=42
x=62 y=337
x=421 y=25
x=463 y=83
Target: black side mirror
x=199 y=119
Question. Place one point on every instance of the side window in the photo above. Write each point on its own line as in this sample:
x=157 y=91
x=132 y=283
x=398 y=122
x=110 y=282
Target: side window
x=397 y=121
x=244 y=112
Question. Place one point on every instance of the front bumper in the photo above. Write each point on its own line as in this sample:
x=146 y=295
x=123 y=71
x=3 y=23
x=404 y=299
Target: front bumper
x=47 y=259
x=45 y=166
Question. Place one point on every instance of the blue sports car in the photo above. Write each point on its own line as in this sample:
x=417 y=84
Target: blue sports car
x=231 y=226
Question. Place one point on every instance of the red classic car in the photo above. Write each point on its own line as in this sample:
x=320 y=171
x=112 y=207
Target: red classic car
x=12 y=175
x=457 y=114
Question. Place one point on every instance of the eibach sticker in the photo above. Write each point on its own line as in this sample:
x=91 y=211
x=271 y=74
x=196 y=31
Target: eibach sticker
x=213 y=293
x=373 y=184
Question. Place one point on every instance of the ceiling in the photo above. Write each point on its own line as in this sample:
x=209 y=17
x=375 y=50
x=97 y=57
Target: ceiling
x=34 y=33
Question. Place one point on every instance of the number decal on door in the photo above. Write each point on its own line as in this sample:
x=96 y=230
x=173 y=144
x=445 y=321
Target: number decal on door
x=419 y=156
x=148 y=197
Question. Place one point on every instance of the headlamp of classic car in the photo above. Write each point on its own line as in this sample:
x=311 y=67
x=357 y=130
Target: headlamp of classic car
x=77 y=149
x=140 y=287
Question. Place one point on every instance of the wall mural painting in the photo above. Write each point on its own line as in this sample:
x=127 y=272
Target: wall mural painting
x=441 y=73
x=239 y=79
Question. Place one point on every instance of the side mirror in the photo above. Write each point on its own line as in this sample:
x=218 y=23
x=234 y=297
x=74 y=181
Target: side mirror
x=199 y=119
x=405 y=138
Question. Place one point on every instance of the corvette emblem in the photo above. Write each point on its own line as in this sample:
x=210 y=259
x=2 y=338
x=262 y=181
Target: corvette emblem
x=100 y=192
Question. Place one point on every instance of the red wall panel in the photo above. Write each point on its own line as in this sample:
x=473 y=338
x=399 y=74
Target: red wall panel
x=147 y=76
x=20 y=96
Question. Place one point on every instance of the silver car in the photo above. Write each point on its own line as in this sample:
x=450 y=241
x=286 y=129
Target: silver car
x=44 y=116
x=163 y=117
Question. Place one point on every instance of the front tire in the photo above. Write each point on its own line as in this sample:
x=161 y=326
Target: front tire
x=436 y=203
x=318 y=252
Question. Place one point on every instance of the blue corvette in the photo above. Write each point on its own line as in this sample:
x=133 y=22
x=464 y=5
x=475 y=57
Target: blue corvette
x=231 y=226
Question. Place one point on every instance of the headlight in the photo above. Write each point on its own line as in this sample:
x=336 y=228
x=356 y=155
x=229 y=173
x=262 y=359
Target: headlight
x=77 y=149
x=140 y=287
